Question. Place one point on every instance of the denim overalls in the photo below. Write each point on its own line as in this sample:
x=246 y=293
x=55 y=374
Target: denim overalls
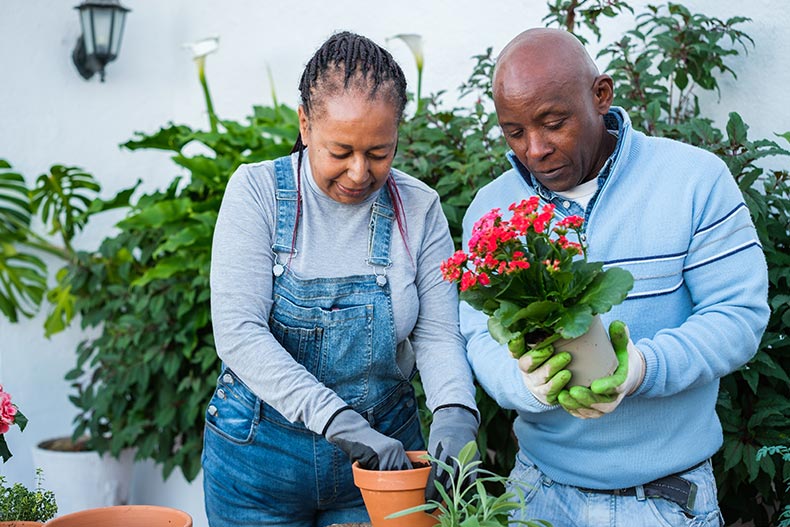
x=261 y=469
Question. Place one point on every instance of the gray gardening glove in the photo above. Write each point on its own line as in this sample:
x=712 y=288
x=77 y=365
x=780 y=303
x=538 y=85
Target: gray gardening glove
x=452 y=428
x=352 y=434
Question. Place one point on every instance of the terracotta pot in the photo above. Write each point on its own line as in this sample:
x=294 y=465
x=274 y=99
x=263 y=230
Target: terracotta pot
x=389 y=491
x=124 y=516
x=14 y=523
x=593 y=355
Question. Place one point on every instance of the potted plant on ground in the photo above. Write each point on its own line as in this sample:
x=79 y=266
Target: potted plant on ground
x=537 y=286
x=470 y=502
x=21 y=507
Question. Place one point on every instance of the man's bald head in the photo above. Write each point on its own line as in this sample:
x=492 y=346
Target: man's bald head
x=542 y=53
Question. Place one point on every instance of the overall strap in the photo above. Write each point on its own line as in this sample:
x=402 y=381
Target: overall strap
x=287 y=199
x=381 y=219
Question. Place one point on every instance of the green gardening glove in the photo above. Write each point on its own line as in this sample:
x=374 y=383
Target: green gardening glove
x=606 y=393
x=544 y=373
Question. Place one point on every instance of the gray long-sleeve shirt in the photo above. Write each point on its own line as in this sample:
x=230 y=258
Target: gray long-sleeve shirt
x=332 y=242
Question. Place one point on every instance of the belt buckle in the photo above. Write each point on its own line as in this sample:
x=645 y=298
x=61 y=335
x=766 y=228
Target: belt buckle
x=692 y=498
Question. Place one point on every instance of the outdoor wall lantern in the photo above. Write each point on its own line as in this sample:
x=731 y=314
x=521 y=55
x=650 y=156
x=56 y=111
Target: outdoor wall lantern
x=102 y=29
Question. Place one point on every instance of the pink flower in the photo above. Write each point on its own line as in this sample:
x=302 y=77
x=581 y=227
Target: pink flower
x=7 y=411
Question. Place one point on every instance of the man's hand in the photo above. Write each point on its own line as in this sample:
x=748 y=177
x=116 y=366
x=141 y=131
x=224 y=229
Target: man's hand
x=544 y=373
x=605 y=394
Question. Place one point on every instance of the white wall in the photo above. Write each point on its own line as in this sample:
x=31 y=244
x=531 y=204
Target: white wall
x=49 y=114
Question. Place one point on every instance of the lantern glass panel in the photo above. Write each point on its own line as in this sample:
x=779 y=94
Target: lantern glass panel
x=87 y=30
x=102 y=30
x=119 y=17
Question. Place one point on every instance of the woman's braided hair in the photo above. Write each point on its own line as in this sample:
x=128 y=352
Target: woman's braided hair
x=362 y=63
x=350 y=61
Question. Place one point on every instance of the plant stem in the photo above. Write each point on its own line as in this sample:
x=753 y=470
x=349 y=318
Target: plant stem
x=419 y=89
x=212 y=117
x=38 y=242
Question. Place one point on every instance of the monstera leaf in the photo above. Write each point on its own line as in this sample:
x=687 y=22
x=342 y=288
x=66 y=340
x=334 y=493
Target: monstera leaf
x=63 y=197
x=14 y=202
x=22 y=275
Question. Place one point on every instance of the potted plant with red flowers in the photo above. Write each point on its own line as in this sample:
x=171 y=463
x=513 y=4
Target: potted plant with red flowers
x=537 y=286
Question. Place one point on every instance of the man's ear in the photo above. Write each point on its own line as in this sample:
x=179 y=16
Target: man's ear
x=603 y=93
x=304 y=125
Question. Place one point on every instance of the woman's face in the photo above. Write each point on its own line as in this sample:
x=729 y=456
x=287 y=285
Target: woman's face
x=351 y=141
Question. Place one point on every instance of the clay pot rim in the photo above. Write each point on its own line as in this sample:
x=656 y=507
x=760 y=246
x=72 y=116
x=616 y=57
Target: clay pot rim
x=414 y=478
x=68 y=519
x=415 y=456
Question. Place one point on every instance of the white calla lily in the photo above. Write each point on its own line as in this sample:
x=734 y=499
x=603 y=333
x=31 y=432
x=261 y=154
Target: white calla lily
x=414 y=41
x=200 y=50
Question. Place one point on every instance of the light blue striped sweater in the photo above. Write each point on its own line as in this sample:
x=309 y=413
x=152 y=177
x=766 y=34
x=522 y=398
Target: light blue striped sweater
x=673 y=216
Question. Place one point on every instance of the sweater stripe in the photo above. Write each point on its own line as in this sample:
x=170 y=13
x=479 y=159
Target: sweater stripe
x=725 y=218
x=647 y=259
x=656 y=292
x=721 y=256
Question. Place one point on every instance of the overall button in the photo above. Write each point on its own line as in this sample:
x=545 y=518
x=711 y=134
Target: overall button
x=227 y=378
x=212 y=410
x=566 y=204
x=221 y=393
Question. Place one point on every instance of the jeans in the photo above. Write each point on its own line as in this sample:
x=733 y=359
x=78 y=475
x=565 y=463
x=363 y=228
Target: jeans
x=567 y=506
x=261 y=470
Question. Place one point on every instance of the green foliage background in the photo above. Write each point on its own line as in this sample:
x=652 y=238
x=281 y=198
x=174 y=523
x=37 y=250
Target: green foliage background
x=144 y=379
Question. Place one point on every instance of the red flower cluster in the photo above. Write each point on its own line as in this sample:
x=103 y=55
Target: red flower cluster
x=498 y=247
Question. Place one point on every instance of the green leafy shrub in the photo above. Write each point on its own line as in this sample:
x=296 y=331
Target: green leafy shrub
x=784 y=453
x=18 y=503
x=144 y=380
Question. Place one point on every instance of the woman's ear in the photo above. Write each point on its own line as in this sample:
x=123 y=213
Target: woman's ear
x=603 y=93
x=304 y=125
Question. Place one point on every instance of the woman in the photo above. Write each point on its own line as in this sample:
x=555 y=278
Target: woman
x=326 y=296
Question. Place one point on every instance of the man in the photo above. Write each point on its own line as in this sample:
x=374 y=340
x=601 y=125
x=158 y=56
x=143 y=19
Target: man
x=634 y=449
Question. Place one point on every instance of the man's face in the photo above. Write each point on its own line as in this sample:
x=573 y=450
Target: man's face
x=553 y=126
